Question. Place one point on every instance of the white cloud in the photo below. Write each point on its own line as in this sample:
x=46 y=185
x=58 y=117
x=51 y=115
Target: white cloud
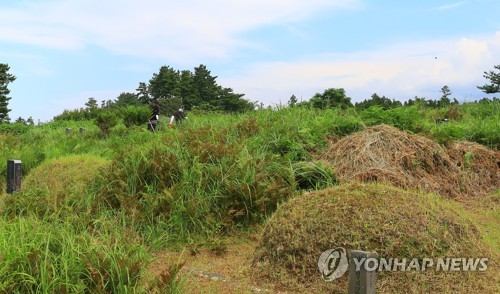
x=177 y=30
x=451 y=5
x=399 y=72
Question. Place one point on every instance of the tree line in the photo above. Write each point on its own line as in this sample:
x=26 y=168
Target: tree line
x=337 y=98
x=199 y=90
x=173 y=89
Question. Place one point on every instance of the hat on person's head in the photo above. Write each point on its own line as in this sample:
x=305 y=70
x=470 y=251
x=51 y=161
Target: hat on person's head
x=181 y=110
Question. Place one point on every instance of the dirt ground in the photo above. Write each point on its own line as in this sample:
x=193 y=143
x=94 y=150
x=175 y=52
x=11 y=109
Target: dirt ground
x=208 y=271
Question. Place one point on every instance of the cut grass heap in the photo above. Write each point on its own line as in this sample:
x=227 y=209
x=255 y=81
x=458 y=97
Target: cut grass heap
x=392 y=222
x=386 y=154
x=480 y=164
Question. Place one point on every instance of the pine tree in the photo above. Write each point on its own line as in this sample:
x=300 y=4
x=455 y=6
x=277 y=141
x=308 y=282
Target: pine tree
x=494 y=78
x=5 y=79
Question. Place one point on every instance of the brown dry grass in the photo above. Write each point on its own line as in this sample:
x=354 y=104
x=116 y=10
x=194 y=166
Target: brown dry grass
x=205 y=271
x=479 y=164
x=378 y=218
x=386 y=154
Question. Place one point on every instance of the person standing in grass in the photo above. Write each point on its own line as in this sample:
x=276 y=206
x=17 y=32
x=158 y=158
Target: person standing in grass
x=155 y=115
x=177 y=117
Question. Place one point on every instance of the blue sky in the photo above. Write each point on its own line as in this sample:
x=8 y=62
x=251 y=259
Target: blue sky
x=65 y=51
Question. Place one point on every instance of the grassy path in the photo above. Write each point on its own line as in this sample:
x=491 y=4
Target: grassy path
x=213 y=272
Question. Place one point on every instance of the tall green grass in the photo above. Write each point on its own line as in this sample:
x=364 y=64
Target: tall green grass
x=51 y=256
x=209 y=176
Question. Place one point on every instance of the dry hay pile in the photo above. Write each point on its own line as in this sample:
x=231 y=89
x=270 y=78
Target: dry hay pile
x=479 y=163
x=393 y=222
x=387 y=154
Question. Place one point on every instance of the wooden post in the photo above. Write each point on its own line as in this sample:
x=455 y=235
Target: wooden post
x=362 y=272
x=14 y=175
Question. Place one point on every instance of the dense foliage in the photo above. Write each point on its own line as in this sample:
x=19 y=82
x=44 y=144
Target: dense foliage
x=5 y=79
x=494 y=78
x=173 y=89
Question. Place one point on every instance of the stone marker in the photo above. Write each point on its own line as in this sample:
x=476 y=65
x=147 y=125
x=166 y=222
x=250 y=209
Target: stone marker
x=14 y=175
x=68 y=131
x=82 y=130
x=362 y=281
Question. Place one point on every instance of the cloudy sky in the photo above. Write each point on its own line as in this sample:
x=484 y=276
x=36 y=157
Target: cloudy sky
x=65 y=51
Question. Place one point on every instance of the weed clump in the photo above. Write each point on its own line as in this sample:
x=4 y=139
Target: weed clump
x=387 y=220
x=313 y=175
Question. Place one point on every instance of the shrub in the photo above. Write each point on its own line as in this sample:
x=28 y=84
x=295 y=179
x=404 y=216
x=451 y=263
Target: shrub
x=374 y=115
x=406 y=118
x=105 y=120
x=446 y=133
x=77 y=115
x=135 y=115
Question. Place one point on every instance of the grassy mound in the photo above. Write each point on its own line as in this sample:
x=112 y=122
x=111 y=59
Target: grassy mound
x=387 y=154
x=57 y=184
x=372 y=217
x=486 y=213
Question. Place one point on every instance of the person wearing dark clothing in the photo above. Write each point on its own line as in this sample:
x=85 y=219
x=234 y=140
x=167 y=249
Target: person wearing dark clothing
x=155 y=113
x=177 y=117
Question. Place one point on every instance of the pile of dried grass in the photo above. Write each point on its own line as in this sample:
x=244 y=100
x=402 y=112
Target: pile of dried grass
x=479 y=163
x=386 y=154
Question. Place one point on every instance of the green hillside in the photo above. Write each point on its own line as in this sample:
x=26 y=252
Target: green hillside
x=97 y=207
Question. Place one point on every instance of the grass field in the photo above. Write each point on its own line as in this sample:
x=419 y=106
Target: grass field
x=134 y=211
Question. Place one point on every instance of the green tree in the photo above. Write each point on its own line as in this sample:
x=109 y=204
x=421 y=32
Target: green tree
x=209 y=95
x=126 y=99
x=30 y=121
x=91 y=104
x=205 y=86
x=419 y=101
x=375 y=99
x=186 y=90
x=292 y=101
x=5 y=79
x=107 y=103
x=164 y=84
x=143 y=93
x=445 y=100
x=494 y=78
x=20 y=120
x=232 y=102
x=331 y=98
